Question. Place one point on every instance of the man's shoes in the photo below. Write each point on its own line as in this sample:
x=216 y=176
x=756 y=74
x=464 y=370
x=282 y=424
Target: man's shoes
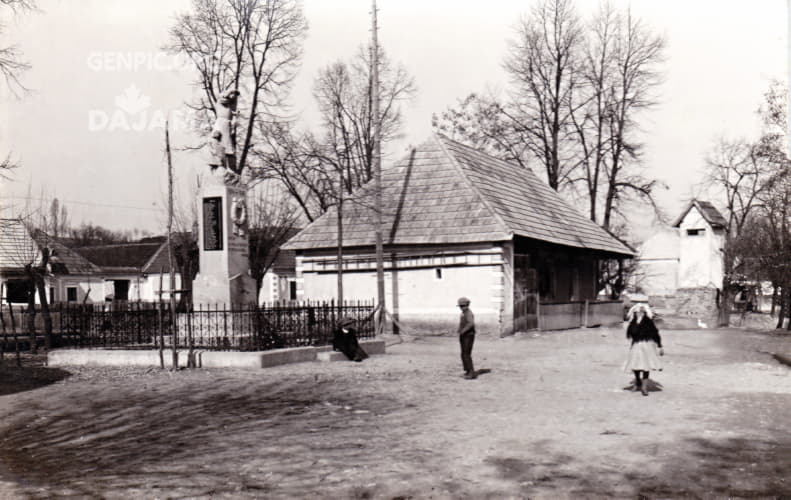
x=470 y=375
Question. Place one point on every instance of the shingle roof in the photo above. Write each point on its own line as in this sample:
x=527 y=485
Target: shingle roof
x=121 y=257
x=17 y=247
x=707 y=210
x=64 y=260
x=445 y=192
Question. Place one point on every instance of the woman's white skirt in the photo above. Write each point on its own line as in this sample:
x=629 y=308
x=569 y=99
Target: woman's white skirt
x=643 y=356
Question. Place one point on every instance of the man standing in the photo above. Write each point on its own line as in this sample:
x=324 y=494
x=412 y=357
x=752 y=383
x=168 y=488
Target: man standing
x=466 y=336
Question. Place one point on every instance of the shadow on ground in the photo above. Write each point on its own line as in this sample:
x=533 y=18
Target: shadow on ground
x=191 y=439
x=698 y=468
x=14 y=379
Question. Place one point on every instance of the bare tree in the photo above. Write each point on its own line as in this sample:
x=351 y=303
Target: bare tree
x=578 y=91
x=293 y=159
x=742 y=175
x=543 y=65
x=272 y=224
x=481 y=122
x=11 y=63
x=57 y=225
x=343 y=93
x=307 y=164
x=252 y=46
x=619 y=76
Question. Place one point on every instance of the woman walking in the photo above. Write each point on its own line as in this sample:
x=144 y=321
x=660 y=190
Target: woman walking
x=645 y=349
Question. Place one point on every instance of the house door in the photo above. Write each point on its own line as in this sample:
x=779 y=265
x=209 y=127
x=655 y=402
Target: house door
x=525 y=294
x=525 y=311
x=121 y=290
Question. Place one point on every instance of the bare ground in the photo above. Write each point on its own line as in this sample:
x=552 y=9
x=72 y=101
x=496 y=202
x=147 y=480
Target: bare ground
x=551 y=420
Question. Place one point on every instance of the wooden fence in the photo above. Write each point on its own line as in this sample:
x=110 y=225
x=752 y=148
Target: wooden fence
x=560 y=316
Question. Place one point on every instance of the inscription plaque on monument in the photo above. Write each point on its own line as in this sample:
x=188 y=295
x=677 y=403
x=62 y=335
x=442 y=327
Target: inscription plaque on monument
x=212 y=223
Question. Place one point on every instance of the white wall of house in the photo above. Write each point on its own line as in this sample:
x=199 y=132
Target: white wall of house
x=82 y=286
x=147 y=289
x=700 y=256
x=275 y=287
x=657 y=263
x=421 y=290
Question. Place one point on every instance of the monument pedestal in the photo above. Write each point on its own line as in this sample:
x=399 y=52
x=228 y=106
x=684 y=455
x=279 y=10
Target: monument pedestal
x=224 y=275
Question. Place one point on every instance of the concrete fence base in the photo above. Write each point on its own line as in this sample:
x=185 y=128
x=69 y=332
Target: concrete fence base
x=203 y=359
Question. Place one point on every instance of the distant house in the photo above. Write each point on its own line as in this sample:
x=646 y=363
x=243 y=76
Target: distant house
x=120 y=272
x=683 y=262
x=457 y=223
x=131 y=271
x=17 y=250
x=280 y=281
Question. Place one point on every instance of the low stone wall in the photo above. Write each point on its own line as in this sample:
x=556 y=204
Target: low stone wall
x=486 y=324
x=692 y=302
x=203 y=359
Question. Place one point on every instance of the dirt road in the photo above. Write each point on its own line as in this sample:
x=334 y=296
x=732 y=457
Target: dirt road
x=551 y=420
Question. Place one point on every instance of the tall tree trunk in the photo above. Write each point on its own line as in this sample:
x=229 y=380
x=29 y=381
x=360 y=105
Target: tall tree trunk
x=788 y=310
x=724 y=315
x=782 y=299
x=774 y=299
x=42 y=295
x=31 y=311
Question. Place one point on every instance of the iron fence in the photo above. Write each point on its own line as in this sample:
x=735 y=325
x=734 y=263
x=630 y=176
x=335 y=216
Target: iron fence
x=147 y=325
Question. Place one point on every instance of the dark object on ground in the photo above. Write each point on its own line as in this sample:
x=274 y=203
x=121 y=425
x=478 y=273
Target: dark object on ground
x=786 y=360
x=651 y=384
x=345 y=341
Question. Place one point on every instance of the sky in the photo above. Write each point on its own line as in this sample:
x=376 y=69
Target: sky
x=90 y=130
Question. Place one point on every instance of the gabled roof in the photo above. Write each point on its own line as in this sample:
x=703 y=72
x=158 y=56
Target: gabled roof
x=17 y=247
x=122 y=257
x=64 y=260
x=445 y=192
x=707 y=210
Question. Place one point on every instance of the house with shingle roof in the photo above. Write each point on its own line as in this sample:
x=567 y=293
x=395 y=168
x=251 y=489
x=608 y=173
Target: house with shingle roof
x=457 y=222
x=125 y=272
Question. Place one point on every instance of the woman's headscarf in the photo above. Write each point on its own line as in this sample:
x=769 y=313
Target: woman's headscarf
x=633 y=311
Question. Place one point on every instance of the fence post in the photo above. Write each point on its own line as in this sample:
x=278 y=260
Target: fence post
x=585 y=319
x=161 y=334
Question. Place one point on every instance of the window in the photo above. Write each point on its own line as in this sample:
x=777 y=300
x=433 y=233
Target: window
x=71 y=294
x=695 y=232
x=292 y=290
x=16 y=291
x=438 y=273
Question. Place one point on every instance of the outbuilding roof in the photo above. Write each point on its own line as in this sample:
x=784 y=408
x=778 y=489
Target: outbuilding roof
x=707 y=210
x=445 y=192
x=126 y=257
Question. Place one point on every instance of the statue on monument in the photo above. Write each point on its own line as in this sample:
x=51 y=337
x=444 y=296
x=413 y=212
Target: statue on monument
x=222 y=143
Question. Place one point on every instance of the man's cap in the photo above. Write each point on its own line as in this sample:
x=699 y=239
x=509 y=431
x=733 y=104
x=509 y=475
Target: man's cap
x=463 y=301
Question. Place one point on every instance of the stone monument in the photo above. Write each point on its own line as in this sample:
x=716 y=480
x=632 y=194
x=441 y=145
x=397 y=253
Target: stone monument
x=224 y=275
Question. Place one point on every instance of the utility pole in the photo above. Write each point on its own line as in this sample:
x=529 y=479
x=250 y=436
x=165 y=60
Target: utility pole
x=380 y=274
x=174 y=329
x=340 y=241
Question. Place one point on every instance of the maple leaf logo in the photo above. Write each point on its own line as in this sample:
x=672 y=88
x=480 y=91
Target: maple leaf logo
x=132 y=101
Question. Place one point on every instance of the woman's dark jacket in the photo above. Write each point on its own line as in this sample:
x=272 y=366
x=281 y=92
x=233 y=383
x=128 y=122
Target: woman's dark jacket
x=346 y=342
x=643 y=331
